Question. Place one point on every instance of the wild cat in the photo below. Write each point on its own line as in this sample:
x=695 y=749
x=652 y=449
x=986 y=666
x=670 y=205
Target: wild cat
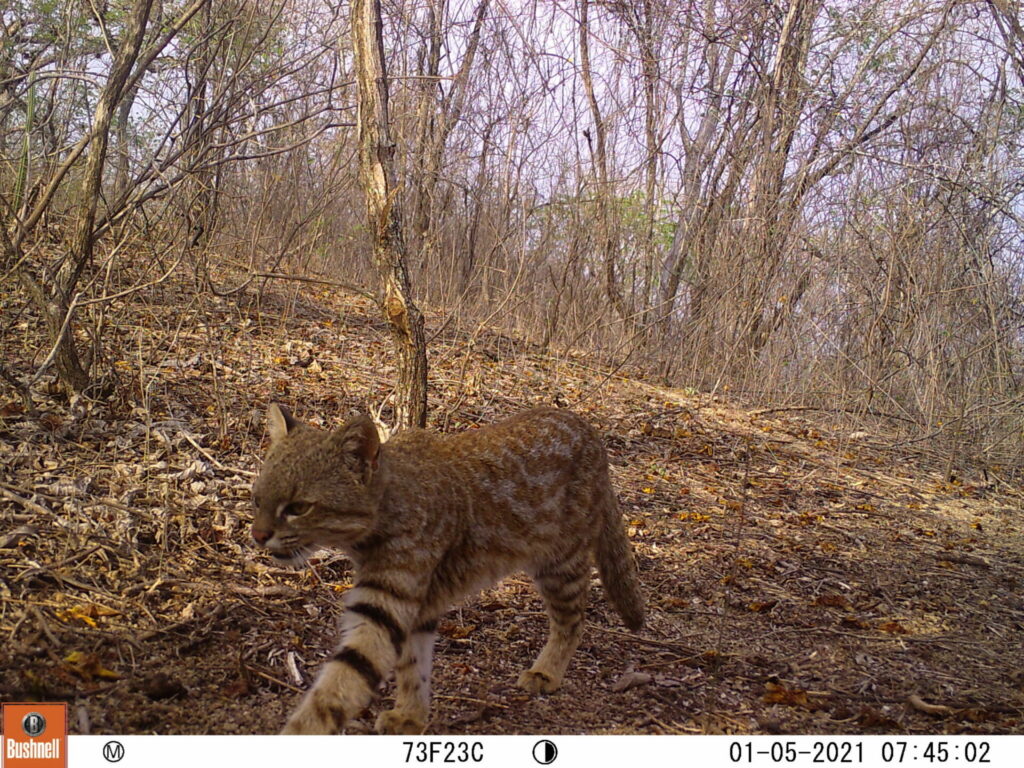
x=427 y=519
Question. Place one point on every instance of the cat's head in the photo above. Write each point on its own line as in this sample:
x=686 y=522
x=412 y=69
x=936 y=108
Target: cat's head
x=314 y=489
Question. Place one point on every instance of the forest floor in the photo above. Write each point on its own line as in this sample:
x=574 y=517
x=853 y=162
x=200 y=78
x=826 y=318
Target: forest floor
x=801 y=576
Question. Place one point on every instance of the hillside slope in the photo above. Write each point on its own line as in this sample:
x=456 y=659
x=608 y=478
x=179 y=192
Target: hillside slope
x=799 y=578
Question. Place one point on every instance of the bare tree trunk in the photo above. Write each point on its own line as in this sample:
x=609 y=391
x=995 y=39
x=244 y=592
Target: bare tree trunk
x=769 y=211
x=701 y=200
x=59 y=300
x=639 y=18
x=123 y=176
x=426 y=128
x=383 y=211
x=469 y=262
x=436 y=122
x=607 y=235
x=197 y=137
x=1006 y=18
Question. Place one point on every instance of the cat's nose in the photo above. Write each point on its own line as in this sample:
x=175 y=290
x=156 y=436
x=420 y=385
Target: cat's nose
x=261 y=536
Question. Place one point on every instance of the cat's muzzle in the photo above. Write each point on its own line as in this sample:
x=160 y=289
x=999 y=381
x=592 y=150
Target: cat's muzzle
x=294 y=558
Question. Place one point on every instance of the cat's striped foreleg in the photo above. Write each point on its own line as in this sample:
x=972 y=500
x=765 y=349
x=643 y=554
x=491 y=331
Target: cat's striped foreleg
x=373 y=635
x=412 y=677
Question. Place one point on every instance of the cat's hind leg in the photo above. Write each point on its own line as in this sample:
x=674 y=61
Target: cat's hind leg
x=564 y=587
x=412 y=678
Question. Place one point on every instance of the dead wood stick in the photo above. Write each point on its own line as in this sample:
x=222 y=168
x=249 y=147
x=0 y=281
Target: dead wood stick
x=471 y=699
x=272 y=679
x=214 y=613
x=831 y=409
x=273 y=590
x=76 y=557
x=929 y=709
x=656 y=643
x=316 y=280
x=965 y=559
x=84 y=726
x=44 y=625
x=292 y=666
x=202 y=450
x=30 y=505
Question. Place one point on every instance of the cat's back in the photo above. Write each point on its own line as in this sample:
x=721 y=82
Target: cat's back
x=536 y=435
x=512 y=486
x=549 y=433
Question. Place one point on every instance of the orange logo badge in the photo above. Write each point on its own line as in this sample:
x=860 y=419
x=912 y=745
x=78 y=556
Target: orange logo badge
x=35 y=736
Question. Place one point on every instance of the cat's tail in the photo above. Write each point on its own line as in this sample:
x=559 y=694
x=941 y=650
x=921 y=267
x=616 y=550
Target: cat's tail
x=616 y=563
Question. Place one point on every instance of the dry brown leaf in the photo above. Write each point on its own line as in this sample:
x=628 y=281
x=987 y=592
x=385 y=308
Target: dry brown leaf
x=482 y=712
x=894 y=628
x=86 y=613
x=161 y=686
x=238 y=688
x=976 y=715
x=872 y=718
x=456 y=631
x=18 y=535
x=776 y=693
x=631 y=680
x=88 y=667
x=11 y=409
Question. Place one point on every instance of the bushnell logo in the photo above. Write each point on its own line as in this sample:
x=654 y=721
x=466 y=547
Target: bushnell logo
x=34 y=735
x=33 y=724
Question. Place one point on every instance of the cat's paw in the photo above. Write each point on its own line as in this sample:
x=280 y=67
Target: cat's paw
x=535 y=681
x=397 y=723
x=310 y=719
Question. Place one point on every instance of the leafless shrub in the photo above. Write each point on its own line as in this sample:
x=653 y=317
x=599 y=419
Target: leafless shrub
x=794 y=203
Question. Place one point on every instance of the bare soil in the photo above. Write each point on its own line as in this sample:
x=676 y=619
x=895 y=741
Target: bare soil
x=801 y=577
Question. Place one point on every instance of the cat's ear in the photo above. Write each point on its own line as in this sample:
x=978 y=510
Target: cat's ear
x=279 y=422
x=359 y=438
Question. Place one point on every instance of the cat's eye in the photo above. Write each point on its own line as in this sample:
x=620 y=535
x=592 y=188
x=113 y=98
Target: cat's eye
x=256 y=501
x=295 y=509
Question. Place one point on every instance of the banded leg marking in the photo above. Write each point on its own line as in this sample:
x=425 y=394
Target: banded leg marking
x=412 y=676
x=373 y=636
x=565 y=588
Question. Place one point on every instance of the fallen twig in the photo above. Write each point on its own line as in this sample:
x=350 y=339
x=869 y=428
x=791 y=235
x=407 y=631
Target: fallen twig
x=30 y=505
x=214 y=613
x=929 y=709
x=272 y=679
